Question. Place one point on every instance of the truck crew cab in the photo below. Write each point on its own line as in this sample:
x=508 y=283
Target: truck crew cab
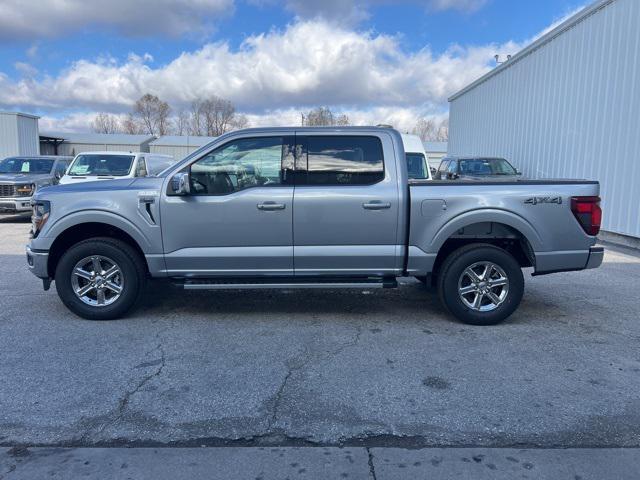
x=309 y=208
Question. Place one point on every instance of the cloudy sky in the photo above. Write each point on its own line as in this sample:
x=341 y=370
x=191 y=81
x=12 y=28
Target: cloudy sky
x=379 y=61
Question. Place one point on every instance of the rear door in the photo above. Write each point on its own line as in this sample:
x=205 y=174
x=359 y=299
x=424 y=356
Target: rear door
x=346 y=205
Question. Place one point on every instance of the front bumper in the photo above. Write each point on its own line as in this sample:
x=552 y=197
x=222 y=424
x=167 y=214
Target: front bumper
x=38 y=263
x=15 y=205
x=596 y=256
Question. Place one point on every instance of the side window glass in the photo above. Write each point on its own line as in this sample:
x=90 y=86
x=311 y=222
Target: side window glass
x=238 y=165
x=453 y=167
x=344 y=160
x=141 y=169
x=443 y=166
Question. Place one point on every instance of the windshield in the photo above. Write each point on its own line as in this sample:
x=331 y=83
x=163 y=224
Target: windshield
x=26 y=165
x=102 y=165
x=417 y=166
x=486 y=166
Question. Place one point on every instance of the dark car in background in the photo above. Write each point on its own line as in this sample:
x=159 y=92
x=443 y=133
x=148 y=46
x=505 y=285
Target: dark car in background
x=20 y=177
x=476 y=168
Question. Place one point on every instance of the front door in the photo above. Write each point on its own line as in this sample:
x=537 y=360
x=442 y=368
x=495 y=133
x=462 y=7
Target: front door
x=346 y=205
x=237 y=221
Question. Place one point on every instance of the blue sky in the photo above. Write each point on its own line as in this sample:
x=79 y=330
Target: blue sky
x=376 y=60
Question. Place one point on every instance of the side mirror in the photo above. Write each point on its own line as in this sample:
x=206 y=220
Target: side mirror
x=518 y=172
x=181 y=184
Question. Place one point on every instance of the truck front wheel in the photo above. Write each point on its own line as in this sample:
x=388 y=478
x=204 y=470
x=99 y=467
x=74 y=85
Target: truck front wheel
x=100 y=278
x=481 y=284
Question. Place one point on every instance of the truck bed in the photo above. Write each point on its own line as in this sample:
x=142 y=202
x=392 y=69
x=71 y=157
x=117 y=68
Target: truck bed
x=537 y=210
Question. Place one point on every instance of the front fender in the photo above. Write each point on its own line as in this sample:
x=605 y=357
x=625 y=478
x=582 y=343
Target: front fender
x=144 y=241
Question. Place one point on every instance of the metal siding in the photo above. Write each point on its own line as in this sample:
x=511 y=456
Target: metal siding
x=8 y=136
x=28 y=138
x=567 y=109
x=18 y=135
x=76 y=148
x=177 y=152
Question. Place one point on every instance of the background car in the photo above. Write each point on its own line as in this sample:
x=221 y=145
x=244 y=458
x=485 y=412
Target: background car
x=92 y=166
x=417 y=166
x=476 y=168
x=20 y=177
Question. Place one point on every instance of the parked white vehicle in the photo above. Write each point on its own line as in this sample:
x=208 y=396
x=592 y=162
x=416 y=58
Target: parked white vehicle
x=90 y=166
x=417 y=165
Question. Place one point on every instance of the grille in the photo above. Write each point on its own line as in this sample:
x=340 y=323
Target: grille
x=7 y=190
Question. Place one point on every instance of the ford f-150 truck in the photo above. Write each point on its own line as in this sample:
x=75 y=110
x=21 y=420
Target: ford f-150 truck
x=309 y=208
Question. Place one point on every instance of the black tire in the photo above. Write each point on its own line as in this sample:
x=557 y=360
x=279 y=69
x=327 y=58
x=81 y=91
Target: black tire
x=131 y=265
x=452 y=270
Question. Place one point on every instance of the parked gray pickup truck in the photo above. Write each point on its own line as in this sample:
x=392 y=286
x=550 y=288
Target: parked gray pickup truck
x=309 y=208
x=20 y=177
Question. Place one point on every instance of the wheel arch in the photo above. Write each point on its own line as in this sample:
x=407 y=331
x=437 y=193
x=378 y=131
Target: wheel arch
x=83 y=230
x=499 y=228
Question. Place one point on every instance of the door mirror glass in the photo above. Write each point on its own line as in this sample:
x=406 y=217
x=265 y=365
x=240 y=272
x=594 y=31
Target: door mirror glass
x=181 y=184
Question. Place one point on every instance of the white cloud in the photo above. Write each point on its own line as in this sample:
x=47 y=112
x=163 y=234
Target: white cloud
x=353 y=11
x=461 y=5
x=49 y=18
x=309 y=63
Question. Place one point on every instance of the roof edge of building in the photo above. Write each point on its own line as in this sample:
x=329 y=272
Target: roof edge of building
x=539 y=43
x=19 y=114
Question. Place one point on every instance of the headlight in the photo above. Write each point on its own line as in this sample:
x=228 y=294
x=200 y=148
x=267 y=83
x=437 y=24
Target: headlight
x=41 y=211
x=25 y=190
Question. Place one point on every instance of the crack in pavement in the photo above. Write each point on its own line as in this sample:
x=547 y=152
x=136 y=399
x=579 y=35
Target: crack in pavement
x=300 y=366
x=123 y=403
x=372 y=468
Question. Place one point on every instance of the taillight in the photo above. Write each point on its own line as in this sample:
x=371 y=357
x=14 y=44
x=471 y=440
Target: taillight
x=588 y=213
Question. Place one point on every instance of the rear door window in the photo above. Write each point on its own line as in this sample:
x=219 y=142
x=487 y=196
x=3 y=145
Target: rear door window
x=417 y=166
x=342 y=160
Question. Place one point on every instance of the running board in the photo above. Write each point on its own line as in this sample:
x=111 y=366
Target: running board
x=272 y=283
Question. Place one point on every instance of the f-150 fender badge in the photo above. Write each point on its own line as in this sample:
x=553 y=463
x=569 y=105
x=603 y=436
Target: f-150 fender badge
x=539 y=200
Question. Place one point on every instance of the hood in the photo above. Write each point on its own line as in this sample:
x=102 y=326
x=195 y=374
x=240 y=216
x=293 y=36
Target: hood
x=105 y=186
x=20 y=178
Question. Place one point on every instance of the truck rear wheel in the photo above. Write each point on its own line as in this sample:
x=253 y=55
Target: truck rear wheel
x=481 y=284
x=100 y=278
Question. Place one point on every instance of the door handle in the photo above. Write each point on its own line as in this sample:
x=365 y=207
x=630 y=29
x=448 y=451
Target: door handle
x=376 y=205
x=271 y=206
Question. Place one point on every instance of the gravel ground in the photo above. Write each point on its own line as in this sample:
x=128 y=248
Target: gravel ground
x=322 y=368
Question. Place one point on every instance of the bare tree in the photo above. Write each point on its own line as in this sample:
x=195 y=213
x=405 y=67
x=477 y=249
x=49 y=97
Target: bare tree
x=443 y=131
x=214 y=116
x=218 y=115
x=131 y=125
x=105 y=123
x=195 y=120
x=322 y=117
x=153 y=113
x=240 y=121
x=425 y=128
x=181 y=123
x=430 y=131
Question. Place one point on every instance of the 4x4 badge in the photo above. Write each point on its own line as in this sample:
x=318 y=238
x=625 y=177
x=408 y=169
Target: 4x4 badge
x=538 y=200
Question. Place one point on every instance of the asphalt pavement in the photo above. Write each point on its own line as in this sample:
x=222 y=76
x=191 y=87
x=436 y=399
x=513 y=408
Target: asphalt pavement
x=386 y=371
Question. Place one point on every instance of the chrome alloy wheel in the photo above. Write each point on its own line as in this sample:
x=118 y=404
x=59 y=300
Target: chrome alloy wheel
x=483 y=286
x=97 y=281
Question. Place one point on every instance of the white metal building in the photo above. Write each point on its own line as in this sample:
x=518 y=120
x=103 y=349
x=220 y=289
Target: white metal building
x=178 y=146
x=566 y=106
x=435 y=151
x=18 y=134
x=74 y=143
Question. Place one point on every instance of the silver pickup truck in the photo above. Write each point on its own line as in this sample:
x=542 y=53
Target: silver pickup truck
x=309 y=208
